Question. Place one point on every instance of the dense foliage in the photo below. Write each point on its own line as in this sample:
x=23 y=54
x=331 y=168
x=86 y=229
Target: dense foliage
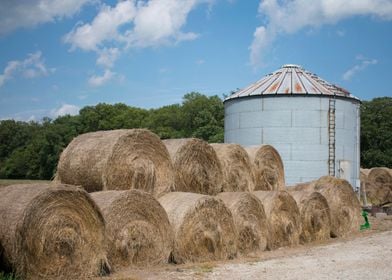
x=376 y=132
x=31 y=150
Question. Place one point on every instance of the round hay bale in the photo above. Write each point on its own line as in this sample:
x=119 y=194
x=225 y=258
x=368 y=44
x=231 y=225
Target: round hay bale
x=343 y=203
x=197 y=167
x=51 y=231
x=236 y=167
x=315 y=215
x=249 y=219
x=268 y=167
x=117 y=160
x=137 y=227
x=283 y=218
x=203 y=227
x=378 y=186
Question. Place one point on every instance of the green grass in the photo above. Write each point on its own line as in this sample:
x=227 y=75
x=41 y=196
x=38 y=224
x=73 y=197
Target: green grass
x=5 y=276
x=7 y=182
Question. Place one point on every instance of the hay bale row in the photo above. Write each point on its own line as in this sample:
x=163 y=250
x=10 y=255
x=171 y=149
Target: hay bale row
x=137 y=159
x=376 y=184
x=51 y=232
x=345 y=209
x=117 y=160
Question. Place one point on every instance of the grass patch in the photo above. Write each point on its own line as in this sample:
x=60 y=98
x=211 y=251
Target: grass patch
x=6 y=276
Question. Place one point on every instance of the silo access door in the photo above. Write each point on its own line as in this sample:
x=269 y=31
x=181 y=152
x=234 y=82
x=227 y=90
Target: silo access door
x=345 y=170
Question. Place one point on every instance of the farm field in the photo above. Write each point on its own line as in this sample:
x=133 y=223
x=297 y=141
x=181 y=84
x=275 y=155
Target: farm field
x=366 y=255
x=7 y=182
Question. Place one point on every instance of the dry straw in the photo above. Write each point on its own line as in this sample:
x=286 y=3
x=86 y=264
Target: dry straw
x=203 y=227
x=197 y=167
x=315 y=215
x=249 y=219
x=343 y=203
x=51 y=231
x=378 y=185
x=137 y=227
x=117 y=159
x=268 y=167
x=283 y=218
x=236 y=167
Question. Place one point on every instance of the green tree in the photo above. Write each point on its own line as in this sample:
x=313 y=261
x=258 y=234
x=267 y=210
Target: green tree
x=376 y=132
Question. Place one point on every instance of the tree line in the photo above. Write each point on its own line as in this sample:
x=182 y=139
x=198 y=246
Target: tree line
x=30 y=150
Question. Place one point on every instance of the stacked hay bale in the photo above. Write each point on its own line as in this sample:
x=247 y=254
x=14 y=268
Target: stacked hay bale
x=197 y=167
x=315 y=216
x=377 y=183
x=343 y=203
x=249 y=219
x=117 y=159
x=283 y=218
x=203 y=227
x=137 y=227
x=236 y=166
x=51 y=232
x=268 y=167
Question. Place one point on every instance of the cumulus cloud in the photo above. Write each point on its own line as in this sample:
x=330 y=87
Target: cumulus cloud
x=107 y=57
x=30 y=13
x=31 y=67
x=65 y=109
x=103 y=28
x=362 y=64
x=97 y=81
x=285 y=17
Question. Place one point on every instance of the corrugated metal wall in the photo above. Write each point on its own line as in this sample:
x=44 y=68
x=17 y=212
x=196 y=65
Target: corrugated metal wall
x=297 y=126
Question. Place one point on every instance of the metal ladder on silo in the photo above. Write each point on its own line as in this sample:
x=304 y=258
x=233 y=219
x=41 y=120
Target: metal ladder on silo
x=331 y=136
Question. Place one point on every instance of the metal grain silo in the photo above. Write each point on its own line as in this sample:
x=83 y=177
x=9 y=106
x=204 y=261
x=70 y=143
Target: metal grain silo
x=313 y=124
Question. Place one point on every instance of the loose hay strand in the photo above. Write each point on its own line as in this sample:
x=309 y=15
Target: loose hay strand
x=283 y=217
x=117 y=159
x=250 y=220
x=197 y=167
x=268 y=168
x=203 y=227
x=137 y=227
x=51 y=231
x=236 y=167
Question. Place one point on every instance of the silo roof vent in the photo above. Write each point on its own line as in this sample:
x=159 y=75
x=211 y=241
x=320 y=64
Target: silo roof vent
x=291 y=79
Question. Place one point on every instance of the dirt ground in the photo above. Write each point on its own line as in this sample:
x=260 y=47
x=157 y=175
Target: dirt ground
x=364 y=255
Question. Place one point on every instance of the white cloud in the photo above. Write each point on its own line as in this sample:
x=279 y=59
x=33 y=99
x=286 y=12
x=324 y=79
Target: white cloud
x=29 y=13
x=97 y=81
x=31 y=67
x=282 y=17
x=65 y=109
x=103 y=28
x=362 y=65
x=172 y=14
x=107 y=57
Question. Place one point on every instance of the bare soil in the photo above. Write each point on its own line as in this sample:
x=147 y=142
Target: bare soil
x=363 y=255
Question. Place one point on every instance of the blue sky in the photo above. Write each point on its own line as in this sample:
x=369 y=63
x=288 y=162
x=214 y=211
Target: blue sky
x=57 y=56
